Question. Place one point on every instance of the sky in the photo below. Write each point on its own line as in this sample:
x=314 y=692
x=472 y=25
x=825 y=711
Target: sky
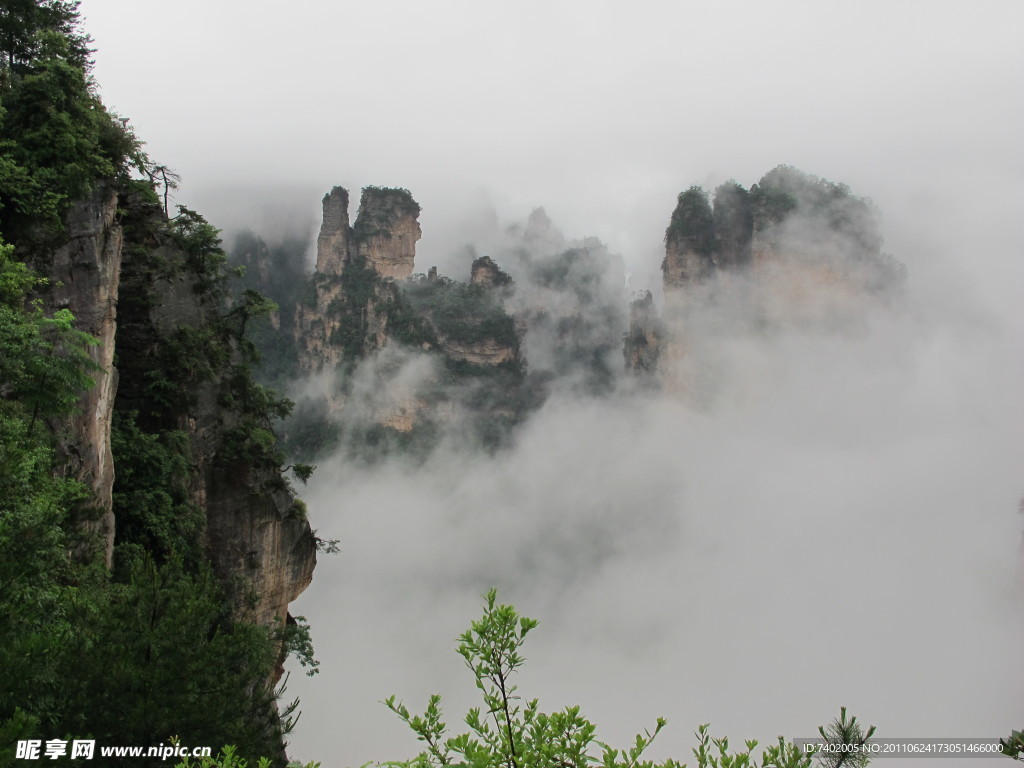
x=838 y=527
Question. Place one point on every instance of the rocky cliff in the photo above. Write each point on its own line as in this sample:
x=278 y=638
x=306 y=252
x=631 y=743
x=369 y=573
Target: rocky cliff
x=171 y=376
x=84 y=275
x=643 y=341
x=689 y=241
x=184 y=372
x=346 y=317
x=483 y=271
x=334 y=245
x=386 y=231
x=794 y=249
x=394 y=348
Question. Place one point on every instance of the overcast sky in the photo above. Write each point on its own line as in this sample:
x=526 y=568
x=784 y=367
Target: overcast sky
x=602 y=113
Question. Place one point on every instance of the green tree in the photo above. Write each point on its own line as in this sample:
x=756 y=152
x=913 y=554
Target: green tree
x=228 y=758
x=845 y=740
x=24 y=24
x=506 y=733
x=44 y=360
x=182 y=667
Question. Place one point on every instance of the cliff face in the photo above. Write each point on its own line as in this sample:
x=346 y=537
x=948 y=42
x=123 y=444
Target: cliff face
x=385 y=234
x=689 y=241
x=173 y=329
x=343 y=317
x=734 y=226
x=358 y=299
x=387 y=230
x=84 y=274
x=794 y=249
x=485 y=272
x=643 y=341
x=398 y=353
x=334 y=246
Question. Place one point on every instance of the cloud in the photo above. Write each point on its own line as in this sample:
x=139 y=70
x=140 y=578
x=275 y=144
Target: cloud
x=828 y=519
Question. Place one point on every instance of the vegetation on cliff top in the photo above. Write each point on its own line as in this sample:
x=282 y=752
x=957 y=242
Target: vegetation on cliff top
x=57 y=140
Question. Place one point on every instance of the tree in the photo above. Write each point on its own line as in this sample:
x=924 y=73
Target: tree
x=506 y=734
x=845 y=741
x=44 y=361
x=23 y=24
x=166 y=179
x=57 y=140
x=183 y=667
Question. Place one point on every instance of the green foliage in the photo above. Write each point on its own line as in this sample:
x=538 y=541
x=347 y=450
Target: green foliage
x=378 y=206
x=133 y=662
x=151 y=651
x=298 y=642
x=182 y=667
x=252 y=304
x=25 y=25
x=44 y=361
x=228 y=758
x=1013 y=746
x=784 y=191
x=693 y=222
x=408 y=327
x=359 y=285
x=505 y=733
x=734 y=223
x=845 y=739
x=251 y=440
x=713 y=752
x=205 y=258
x=310 y=431
x=56 y=138
x=460 y=312
x=155 y=516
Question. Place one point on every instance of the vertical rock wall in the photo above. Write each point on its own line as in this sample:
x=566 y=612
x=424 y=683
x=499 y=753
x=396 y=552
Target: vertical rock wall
x=387 y=230
x=333 y=246
x=344 y=314
x=84 y=274
x=256 y=534
x=643 y=341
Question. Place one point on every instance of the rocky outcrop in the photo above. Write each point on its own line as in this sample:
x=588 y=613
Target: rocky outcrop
x=488 y=274
x=334 y=245
x=794 y=249
x=385 y=234
x=256 y=534
x=787 y=217
x=84 y=276
x=386 y=231
x=689 y=241
x=734 y=226
x=487 y=351
x=356 y=267
x=643 y=341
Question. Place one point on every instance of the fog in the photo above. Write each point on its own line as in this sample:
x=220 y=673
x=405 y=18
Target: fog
x=830 y=521
x=833 y=521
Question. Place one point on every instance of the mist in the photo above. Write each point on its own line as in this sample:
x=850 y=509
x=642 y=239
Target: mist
x=828 y=519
